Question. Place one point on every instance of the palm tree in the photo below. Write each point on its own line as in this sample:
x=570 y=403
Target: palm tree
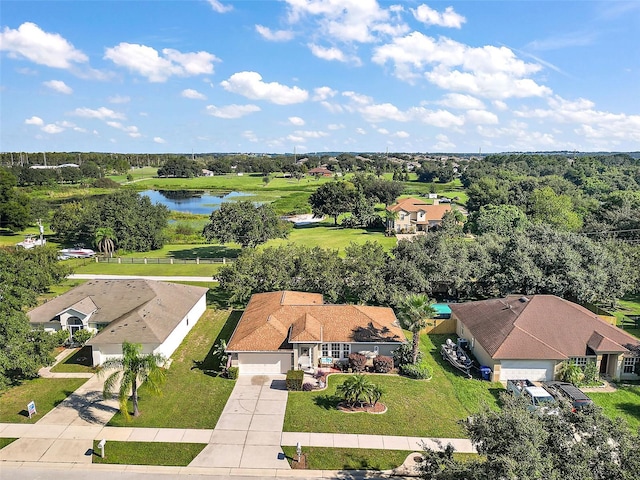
x=220 y=352
x=133 y=369
x=414 y=312
x=104 y=239
x=355 y=388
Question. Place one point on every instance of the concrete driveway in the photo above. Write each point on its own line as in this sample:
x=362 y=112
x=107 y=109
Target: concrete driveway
x=249 y=431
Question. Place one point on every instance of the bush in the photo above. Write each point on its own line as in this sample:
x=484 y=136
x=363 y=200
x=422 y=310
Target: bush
x=590 y=373
x=418 y=372
x=232 y=373
x=105 y=182
x=307 y=387
x=403 y=355
x=357 y=362
x=61 y=337
x=382 y=364
x=294 y=380
x=82 y=336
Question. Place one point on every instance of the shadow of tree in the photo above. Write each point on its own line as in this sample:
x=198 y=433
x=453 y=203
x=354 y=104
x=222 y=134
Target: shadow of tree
x=207 y=251
x=328 y=402
x=218 y=298
x=210 y=364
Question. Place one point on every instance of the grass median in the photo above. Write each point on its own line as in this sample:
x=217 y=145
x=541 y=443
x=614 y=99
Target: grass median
x=147 y=453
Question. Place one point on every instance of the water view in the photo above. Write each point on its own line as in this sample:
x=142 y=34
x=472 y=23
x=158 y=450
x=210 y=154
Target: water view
x=200 y=202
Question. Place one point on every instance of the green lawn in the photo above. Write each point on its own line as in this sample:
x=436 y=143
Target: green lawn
x=162 y=269
x=46 y=392
x=76 y=362
x=624 y=403
x=322 y=458
x=415 y=407
x=147 y=453
x=193 y=396
x=6 y=441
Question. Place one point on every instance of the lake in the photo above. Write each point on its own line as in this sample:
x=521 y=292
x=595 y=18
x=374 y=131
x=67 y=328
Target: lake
x=201 y=202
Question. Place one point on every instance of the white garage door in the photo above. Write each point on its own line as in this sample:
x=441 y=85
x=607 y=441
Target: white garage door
x=536 y=370
x=264 y=363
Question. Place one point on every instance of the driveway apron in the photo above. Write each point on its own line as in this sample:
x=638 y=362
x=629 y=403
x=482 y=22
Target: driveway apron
x=249 y=431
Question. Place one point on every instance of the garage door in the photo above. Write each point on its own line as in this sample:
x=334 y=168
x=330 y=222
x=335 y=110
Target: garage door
x=536 y=370
x=264 y=363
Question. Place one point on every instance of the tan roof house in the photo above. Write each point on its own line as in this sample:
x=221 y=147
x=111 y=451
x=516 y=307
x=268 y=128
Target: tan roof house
x=156 y=314
x=285 y=330
x=529 y=336
x=414 y=215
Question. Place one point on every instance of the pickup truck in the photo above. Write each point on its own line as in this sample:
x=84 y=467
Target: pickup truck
x=536 y=396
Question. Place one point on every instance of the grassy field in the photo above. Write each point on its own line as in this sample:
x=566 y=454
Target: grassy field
x=147 y=453
x=415 y=408
x=6 y=441
x=193 y=396
x=151 y=269
x=46 y=392
x=623 y=403
x=321 y=458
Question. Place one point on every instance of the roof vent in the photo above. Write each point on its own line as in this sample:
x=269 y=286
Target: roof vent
x=524 y=299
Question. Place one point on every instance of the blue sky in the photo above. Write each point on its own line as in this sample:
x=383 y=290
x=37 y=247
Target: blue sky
x=319 y=75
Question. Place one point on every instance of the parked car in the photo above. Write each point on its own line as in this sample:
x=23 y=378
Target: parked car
x=568 y=391
x=537 y=397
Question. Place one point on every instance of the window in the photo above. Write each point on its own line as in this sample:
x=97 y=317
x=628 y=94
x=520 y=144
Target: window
x=335 y=350
x=629 y=364
x=346 y=350
x=579 y=361
x=325 y=349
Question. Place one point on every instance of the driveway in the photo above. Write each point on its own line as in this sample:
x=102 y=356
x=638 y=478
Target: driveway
x=249 y=431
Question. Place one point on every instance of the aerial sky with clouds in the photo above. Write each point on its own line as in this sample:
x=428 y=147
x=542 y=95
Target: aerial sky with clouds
x=319 y=75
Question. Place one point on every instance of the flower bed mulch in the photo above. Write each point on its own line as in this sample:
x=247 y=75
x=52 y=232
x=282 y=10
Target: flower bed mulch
x=366 y=408
x=299 y=465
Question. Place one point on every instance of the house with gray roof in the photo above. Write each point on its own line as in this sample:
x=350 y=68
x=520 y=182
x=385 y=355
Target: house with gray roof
x=530 y=336
x=157 y=315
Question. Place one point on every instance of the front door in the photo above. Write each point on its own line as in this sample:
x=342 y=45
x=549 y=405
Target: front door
x=603 y=364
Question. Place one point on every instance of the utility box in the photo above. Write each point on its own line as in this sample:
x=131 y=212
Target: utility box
x=485 y=372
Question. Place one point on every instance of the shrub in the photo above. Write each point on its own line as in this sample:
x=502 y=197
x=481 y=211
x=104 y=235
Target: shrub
x=294 y=380
x=61 y=337
x=418 y=372
x=82 y=336
x=307 y=387
x=382 y=364
x=232 y=373
x=105 y=182
x=568 y=371
x=357 y=362
x=403 y=355
x=590 y=373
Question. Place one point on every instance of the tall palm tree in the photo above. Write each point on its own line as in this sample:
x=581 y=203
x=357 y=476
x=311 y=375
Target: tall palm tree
x=104 y=239
x=133 y=369
x=355 y=388
x=414 y=312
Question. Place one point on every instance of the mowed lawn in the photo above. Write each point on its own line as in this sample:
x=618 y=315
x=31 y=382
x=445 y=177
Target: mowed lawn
x=45 y=392
x=162 y=270
x=430 y=408
x=623 y=403
x=193 y=395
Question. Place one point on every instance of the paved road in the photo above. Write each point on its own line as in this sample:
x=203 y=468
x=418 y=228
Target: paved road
x=91 y=276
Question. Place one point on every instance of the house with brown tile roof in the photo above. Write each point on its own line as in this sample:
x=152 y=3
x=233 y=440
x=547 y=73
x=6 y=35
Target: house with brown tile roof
x=157 y=315
x=529 y=336
x=413 y=215
x=285 y=330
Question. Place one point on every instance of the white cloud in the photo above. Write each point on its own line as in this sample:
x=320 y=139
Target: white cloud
x=335 y=126
x=310 y=133
x=332 y=107
x=131 y=130
x=448 y=18
x=481 y=117
x=401 y=134
x=297 y=121
x=52 y=128
x=443 y=144
x=34 y=121
x=159 y=140
x=383 y=131
x=232 y=111
x=488 y=71
x=59 y=86
x=458 y=100
x=500 y=105
x=119 y=99
x=274 y=35
x=31 y=42
x=220 y=7
x=361 y=131
x=250 y=135
x=327 y=53
x=148 y=62
x=193 y=94
x=358 y=98
x=101 y=113
x=250 y=85
x=322 y=93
